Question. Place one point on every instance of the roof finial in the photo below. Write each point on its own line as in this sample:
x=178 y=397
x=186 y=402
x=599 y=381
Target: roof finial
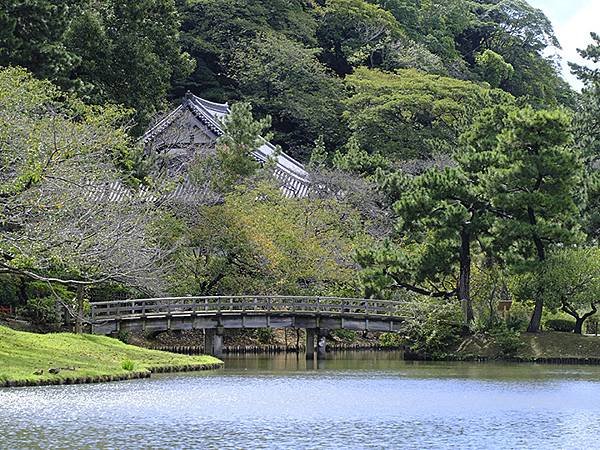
x=188 y=95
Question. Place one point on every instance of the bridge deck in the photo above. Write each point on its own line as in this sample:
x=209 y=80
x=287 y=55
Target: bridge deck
x=247 y=312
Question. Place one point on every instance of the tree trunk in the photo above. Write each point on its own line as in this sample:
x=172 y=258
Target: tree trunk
x=464 y=280
x=298 y=340
x=579 y=321
x=578 y=325
x=79 y=310
x=536 y=318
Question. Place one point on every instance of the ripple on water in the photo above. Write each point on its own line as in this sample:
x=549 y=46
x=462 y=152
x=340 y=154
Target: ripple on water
x=402 y=407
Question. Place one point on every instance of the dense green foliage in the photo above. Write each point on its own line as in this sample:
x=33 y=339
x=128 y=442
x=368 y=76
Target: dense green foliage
x=568 y=281
x=587 y=125
x=107 y=51
x=411 y=114
x=232 y=161
x=258 y=241
x=283 y=56
x=285 y=80
x=564 y=325
x=435 y=329
x=449 y=158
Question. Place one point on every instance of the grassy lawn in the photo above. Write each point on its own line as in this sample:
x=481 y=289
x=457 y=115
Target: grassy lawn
x=22 y=354
x=559 y=345
x=550 y=344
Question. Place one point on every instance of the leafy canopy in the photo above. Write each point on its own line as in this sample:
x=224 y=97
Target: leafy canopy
x=409 y=114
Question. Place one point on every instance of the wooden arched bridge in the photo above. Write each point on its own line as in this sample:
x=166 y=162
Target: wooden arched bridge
x=213 y=314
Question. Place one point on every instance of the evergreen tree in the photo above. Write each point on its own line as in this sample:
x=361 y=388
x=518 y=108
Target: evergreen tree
x=440 y=215
x=353 y=33
x=522 y=35
x=284 y=79
x=532 y=183
x=493 y=68
x=591 y=53
x=233 y=161
x=32 y=35
x=319 y=156
x=411 y=114
x=358 y=161
x=106 y=51
x=587 y=130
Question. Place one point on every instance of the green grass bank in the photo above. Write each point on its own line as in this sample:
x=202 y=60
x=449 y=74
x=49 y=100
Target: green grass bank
x=550 y=347
x=26 y=358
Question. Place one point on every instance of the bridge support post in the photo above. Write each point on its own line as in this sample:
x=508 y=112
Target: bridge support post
x=322 y=344
x=213 y=341
x=209 y=335
x=310 y=343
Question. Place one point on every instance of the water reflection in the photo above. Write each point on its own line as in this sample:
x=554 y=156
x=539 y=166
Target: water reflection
x=381 y=362
x=349 y=400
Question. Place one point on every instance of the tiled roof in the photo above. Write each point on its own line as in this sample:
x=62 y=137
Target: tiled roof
x=212 y=114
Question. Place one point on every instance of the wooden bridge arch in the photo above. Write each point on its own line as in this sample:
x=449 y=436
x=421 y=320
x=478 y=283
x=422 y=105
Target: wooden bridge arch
x=216 y=313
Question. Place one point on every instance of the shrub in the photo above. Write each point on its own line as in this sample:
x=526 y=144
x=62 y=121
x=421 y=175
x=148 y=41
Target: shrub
x=518 y=316
x=127 y=365
x=390 y=340
x=123 y=336
x=507 y=341
x=483 y=324
x=564 y=325
x=591 y=325
x=41 y=310
x=264 y=335
x=9 y=287
x=435 y=327
x=344 y=335
x=42 y=289
x=43 y=302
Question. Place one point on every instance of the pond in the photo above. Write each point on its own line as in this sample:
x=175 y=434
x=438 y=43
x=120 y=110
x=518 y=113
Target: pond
x=350 y=400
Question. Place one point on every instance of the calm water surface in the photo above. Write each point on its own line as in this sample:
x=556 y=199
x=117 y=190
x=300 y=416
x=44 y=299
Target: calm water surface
x=353 y=400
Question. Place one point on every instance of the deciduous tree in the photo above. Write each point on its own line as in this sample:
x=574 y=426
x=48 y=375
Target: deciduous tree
x=569 y=281
x=66 y=213
x=354 y=33
x=285 y=80
x=409 y=113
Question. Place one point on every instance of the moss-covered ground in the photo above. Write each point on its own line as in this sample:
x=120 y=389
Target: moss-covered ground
x=82 y=358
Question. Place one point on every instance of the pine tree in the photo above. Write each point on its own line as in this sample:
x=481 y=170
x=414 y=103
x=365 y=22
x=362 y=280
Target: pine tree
x=441 y=214
x=532 y=182
x=319 y=156
x=233 y=161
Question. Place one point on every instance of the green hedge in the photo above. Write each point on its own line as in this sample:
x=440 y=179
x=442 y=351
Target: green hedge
x=565 y=325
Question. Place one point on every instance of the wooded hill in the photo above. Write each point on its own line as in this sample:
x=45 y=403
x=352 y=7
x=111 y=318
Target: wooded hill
x=467 y=164
x=297 y=61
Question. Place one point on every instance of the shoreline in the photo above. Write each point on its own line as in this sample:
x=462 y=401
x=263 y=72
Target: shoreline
x=567 y=361
x=272 y=349
x=147 y=373
x=408 y=356
x=108 y=378
x=32 y=359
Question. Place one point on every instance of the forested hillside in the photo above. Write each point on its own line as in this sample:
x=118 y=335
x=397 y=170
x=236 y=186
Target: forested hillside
x=291 y=59
x=452 y=165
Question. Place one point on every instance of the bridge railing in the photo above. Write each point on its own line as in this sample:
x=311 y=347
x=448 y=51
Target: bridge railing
x=244 y=304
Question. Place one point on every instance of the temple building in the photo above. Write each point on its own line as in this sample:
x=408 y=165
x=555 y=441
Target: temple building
x=194 y=127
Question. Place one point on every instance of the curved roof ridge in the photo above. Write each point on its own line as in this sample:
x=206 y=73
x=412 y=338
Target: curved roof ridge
x=212 y=115
x=161 y=124
x=221 y=107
